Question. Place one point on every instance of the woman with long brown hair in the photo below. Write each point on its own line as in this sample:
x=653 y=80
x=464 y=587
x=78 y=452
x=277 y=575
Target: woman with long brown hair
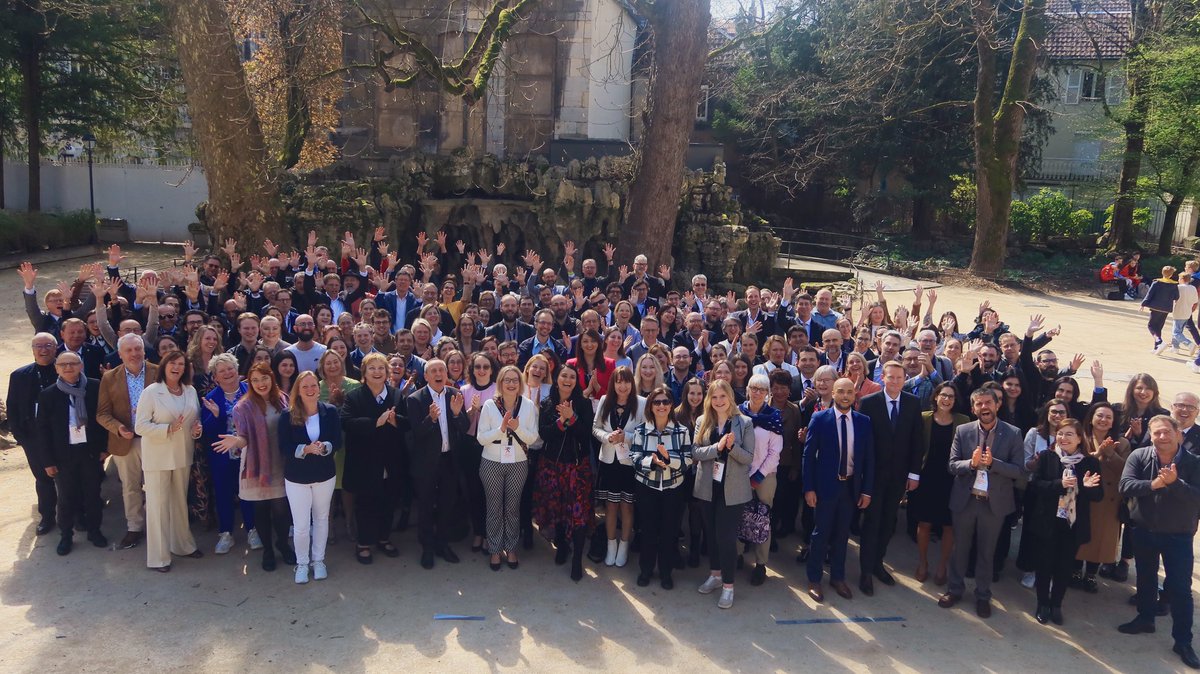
x=619 y=413
x=563 y=500
x=593 y=368
x=309 y=434
x=1103 y=442
x=335 y=384
x=689 y=408
x=256 y=439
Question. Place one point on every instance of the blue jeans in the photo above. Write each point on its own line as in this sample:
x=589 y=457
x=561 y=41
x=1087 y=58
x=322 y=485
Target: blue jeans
x=1176 y=551
x=1178 y=337
x=225 y=490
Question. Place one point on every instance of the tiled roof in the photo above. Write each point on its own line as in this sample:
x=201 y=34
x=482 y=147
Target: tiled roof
x=1097 y=25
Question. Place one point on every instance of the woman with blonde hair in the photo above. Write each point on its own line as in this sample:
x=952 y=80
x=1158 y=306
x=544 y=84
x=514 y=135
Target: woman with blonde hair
x=724 y=449
x=648 y=375
x=309 y=433
x=537 y=378
x=507 y=426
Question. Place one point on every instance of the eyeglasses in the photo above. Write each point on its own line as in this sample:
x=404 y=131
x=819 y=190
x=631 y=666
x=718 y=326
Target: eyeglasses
x=1183 y=406
x=661 y=402
x=946 y=395
x=45 y=347
x=481 y=366
x=1058 y=413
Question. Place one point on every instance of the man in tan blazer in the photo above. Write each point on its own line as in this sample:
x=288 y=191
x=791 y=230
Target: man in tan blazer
x=120 y=389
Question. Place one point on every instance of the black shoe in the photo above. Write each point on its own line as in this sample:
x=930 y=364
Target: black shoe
x=1042 y=614
x=387 y=548
x=1105 y=571
x=1120 y=572
x=867 y=586
x=268 y=562
x=447 y=554
x=98 y=539
x=1090 y=585
x=1136 y=626
x=287 y=554
x=495 y=565
x=64 y=545
x=759 y=575
x=562 y=553
x=643 y=580
x=576 y=569
x=693 y=560
x=1187 y=655
x=427 y=558
x=1056 y=615
x=885 y=577
x=598 y=547
x=667 y=582
x=45 y=526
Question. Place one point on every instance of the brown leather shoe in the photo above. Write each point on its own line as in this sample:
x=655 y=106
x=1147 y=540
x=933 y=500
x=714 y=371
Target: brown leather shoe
x=841 y=588
x=983 y=608
x=948 y=600
x=131 y=539
x=814 y=591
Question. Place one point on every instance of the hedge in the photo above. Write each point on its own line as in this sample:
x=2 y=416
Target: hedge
x=25 y=232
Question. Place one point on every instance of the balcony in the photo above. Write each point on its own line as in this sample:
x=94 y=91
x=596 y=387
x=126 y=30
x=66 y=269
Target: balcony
x=1063 y=170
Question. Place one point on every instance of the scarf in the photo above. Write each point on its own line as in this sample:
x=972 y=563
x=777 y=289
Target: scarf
x=1066 y=502
x=251 y=423
x=78 y=395
x=768 y=417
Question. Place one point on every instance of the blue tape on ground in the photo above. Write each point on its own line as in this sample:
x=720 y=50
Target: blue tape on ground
x=830 y=621
x=451 y=616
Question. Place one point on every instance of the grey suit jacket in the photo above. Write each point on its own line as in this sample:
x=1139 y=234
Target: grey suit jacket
x=737 y=466
x=1007 y=466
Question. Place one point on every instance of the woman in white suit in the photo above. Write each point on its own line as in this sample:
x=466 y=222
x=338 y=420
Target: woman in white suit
x=618 y=414
x=168 y=421
x=508 y=425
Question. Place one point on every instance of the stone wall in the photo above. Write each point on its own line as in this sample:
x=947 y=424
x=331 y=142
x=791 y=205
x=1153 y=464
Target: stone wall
x=527 y=204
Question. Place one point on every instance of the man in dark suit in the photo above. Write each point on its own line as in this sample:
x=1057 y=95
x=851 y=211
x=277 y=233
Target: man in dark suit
x=398 y=301
x=57 y=301
x=74 y=444
x=439 y=427
x=543 y=324
x=24 y=386
x=74 y=339
x=896 y=421
x=754 y=313
x=510 y=328
x=643 y=304
x=839 y=476
x=986 y=458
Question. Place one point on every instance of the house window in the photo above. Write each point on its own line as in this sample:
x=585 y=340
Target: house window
x=1093 y=86
x=1085 y=85
x=1114 y=88
x=702 y=106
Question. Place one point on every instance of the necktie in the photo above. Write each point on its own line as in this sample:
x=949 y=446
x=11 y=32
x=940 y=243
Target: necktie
x=844 y=456
x=807 y=384
x=895 y=412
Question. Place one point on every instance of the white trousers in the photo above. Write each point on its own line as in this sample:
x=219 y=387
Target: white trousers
x=167 y=529
x=129 y=469
x=310 y=515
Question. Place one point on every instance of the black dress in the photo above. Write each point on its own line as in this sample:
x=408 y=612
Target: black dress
x=931 y=501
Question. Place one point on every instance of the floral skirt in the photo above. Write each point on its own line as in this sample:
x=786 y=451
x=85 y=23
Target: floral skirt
x=563 y=497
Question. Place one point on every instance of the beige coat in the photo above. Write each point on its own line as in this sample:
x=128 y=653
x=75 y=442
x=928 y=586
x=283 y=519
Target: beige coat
x=157 y=410
x=1104 y=546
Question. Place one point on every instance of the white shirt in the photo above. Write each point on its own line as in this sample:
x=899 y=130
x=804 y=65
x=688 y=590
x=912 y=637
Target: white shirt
x=888 y=397
x=769 y=367
x=313 y=425
x=307 y=359
x=849 y=439
x=440 y=399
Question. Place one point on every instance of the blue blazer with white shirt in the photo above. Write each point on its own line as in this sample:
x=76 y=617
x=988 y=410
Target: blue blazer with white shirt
x=311 y=468
x=822 y=455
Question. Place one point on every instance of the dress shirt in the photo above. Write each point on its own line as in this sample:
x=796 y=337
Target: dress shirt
x=849 y=439
x=440 y=399
x=136 y=383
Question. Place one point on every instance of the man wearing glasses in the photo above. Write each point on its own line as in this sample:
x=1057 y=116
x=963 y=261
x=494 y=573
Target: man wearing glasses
x=24 y=387
x=1183 y=411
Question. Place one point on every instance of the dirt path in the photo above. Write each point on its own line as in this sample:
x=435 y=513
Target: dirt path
x=101 y=610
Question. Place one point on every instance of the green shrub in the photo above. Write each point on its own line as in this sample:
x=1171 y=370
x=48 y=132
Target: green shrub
x=1048 y=214
x=24 y=232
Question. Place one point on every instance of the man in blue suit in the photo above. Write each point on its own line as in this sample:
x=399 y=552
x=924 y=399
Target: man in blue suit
x=839 y=475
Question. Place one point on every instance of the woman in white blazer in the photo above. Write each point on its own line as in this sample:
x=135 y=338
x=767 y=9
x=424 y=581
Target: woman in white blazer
x=168 y=421
x=618 y=414
x=508 y=425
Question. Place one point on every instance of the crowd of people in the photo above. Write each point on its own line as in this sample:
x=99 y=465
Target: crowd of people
x=613 y=411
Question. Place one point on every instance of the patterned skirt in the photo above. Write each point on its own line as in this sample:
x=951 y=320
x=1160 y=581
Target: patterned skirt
x=615 y=483
x=563 y=497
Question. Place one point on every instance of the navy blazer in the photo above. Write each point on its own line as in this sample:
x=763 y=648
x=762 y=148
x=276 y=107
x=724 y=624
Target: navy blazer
x=312 y=468
x=52 y=418
x=525 y=351
x=524 y=331
x=388 y=300
x=821 y=455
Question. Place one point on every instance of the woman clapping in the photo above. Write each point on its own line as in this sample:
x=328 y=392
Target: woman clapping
x=508 y=425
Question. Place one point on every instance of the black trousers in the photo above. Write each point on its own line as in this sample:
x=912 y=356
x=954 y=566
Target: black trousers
x=437 y=494
x=527 y=494
x=43 y=484
x=721 y=523
x=787 y=501
x=473 y=488
x=659 y=514
x=879 y=524
x=273 y=518
x=1055 y=564
x=78 y=486
x=374 y=505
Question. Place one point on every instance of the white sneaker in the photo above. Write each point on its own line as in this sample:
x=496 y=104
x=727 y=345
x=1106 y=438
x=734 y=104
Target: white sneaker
x=710 y=584
x=1161 y=349
x=1195 y=368
x=1028 y=580
x=611 y=557
x=301 y=574
x=726 y=600
x=224 y=543
x=253 y=539
x=319 y=571
x=622 y=552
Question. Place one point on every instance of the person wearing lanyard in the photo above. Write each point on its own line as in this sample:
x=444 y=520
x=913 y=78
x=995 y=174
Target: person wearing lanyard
x=838 y=474
x=508 y=425
x=563 y=496
x=722 y=482
x=660 y=453
x=120 y=390
x=619 y=412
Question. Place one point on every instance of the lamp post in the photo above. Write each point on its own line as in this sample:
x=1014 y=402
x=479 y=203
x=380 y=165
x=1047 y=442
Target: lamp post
x=89 y=143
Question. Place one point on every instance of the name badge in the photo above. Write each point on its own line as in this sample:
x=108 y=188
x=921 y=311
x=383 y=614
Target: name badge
x=718 y=471
x=77 y=435
x=508 y=454
x=981 y=483
x=622 y=453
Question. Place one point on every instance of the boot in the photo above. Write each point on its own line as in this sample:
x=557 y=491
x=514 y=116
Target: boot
x=611 y=557
x=596 y=548
x=622 y=552
x=579 y=539
x=561 y=549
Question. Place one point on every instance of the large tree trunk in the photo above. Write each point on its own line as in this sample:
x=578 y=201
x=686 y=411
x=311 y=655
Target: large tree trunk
x=29 y=55
x=299 y=119
x=1120 y=235
x=243 y=199
x=1166 y=238
x=680 y=31
x=998 y=128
